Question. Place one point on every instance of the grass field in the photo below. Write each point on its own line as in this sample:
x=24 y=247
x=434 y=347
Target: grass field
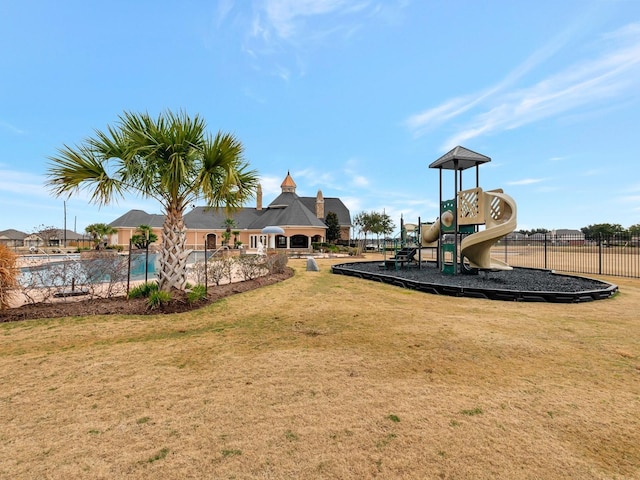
x=328 y=376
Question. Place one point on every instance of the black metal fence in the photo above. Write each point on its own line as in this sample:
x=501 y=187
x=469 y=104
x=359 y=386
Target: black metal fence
x=617 y=255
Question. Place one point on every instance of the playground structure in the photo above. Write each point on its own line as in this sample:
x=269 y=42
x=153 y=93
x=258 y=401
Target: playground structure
x=462 y=247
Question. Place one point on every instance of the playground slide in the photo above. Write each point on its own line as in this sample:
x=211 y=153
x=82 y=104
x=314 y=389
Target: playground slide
x=501 y=219
x=430 y=234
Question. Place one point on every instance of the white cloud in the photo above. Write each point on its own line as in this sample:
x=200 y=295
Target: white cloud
x=316 y=21
x=630 y=199
x=223 y=9
x=354 y=204
x=289 y=29
x=315 y=178
x=352 y=169
x=11 y=128
x=23 y=183
x=286 y=17
x=422 y=122
x=525 y=181
x=360 y=181
x=593 y=83
x=270 y=186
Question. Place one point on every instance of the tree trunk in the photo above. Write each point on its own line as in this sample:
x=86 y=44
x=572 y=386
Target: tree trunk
x=173 y=256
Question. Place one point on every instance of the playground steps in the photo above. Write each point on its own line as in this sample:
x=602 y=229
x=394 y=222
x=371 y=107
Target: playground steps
x=402 y=257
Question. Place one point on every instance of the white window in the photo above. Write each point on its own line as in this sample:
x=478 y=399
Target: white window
x=255 y=239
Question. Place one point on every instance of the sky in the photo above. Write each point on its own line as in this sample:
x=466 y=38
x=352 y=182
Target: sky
x=352 y=97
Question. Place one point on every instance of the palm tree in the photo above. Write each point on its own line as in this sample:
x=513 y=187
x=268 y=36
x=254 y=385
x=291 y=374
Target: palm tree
x=235 y=234
x=229 y=223
x=171 y=159
x=99 y=232
x=144 y=236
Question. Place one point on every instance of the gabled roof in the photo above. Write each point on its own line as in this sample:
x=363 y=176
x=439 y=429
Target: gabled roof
x=70 y=235
x=565 y=231
x=331 y=204
x=515 y=236
x=285 y=198
x=286 y=210
x=58 y=234
x=208 y=218
x=135 y=218
x=12 y=234
x=288 y=215
x=459 y=158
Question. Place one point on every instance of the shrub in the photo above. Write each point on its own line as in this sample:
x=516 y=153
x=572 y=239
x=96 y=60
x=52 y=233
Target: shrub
x=196 y=272
x=143 y=291
x=197 y=293
x=110 y=274
x=100 y=276
x=8 y=275
x=218 y=268
x=158 y=298
x=277 y=263
x=251 y=266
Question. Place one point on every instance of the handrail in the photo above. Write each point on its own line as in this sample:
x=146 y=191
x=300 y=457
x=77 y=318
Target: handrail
x=34 y=250
x=222 y=247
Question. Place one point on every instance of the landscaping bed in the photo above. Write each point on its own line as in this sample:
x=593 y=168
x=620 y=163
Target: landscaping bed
x=75 y=306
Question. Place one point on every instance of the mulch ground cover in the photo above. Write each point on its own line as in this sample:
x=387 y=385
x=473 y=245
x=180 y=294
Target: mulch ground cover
x=135 y=306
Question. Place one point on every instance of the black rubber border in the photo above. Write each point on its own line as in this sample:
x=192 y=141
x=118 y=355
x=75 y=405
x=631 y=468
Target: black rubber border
x=607 y=291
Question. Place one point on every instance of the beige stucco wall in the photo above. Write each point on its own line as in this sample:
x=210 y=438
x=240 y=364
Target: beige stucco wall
x=196 y=238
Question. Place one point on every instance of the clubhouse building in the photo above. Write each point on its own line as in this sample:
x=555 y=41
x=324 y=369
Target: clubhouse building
x=301 y=219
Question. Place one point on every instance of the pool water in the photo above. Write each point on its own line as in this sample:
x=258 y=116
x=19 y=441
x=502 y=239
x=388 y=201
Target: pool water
x=62 y=270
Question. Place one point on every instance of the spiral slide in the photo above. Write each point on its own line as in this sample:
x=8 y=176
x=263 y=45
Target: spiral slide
x=501 y=219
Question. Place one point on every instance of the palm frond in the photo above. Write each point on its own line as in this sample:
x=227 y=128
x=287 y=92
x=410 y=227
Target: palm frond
x=79 y=169
x=224 y=178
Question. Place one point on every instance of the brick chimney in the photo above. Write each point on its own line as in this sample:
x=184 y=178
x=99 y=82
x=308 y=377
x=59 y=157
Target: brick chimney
x=320 y=205
x=259 y=197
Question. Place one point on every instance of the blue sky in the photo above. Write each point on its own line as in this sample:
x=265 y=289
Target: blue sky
x=355 y=98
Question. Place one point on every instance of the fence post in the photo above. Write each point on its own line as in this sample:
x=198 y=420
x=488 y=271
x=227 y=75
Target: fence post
x=206 y=278
x=506 y=250
x=129 y=269
x=599 y=253
x=545 y=251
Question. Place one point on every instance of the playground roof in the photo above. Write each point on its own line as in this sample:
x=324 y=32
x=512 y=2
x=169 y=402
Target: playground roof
x=460 y=158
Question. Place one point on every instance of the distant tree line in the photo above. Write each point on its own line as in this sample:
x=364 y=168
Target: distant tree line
x=598 y=229
x=610 y=230
x=373 y=222
x=533 y=231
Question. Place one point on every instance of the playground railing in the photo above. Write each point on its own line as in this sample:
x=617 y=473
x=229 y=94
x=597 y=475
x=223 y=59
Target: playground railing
x=616 y=255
